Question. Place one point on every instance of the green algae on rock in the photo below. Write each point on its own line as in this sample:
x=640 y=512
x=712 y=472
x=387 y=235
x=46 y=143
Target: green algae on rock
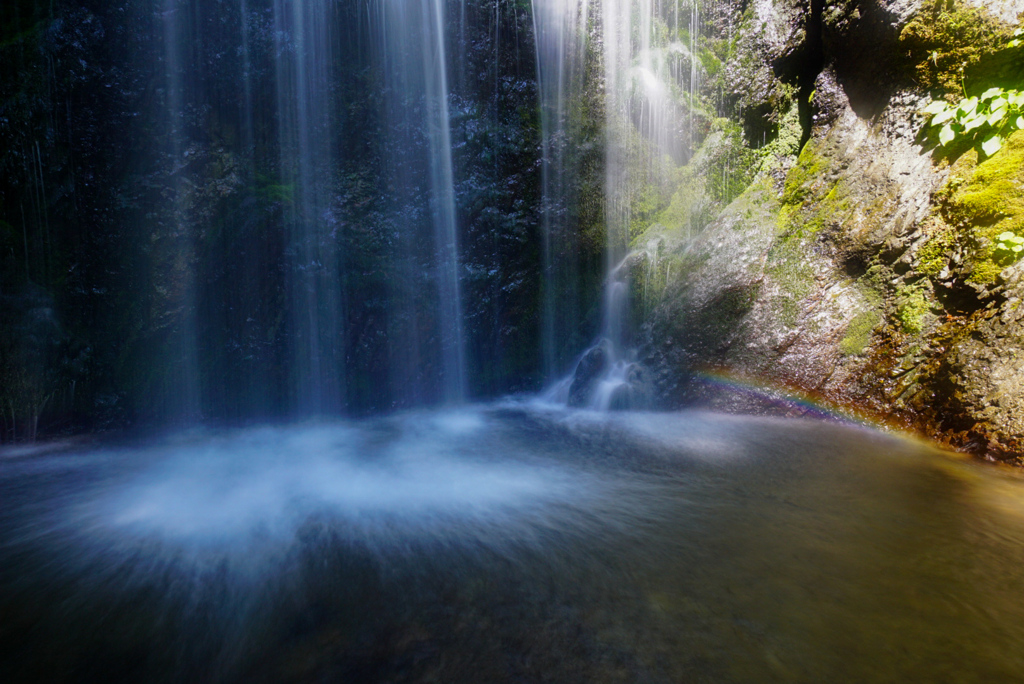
x=859 y=265
x=943 y=41
x=982 y=200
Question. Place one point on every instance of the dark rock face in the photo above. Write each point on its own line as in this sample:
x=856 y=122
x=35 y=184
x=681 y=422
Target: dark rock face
x=858 y=265
x=39 y=364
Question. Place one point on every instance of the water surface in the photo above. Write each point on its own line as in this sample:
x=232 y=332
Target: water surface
x=512 y=544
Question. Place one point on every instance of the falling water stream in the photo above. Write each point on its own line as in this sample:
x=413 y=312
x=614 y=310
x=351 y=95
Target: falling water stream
x=304 y=44
x=648 y=98
x=415 y=58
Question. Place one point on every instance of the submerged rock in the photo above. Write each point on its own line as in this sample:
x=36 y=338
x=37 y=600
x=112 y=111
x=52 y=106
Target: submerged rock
x=604 y=381
x=589 y=370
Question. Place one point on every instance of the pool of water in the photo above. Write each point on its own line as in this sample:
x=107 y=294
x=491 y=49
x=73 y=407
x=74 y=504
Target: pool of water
x=512 y=543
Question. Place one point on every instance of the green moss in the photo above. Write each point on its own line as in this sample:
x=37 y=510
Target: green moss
x=946 y=39
x=858 y=333
x=786 y=144
x=786 y=218
x=801 y=178
x=686 y=212
x=650 y=180
x=789 y=269
x=270 y=191
x=995 y=192
x=730 y=165
x=645 y=201
x=877 y=278
x=984 y=273
x=836 y=207
x=984 y=199
x=933 y=256
x=812 y=198
x=710 y=61
x=721 y=169
x=787 y=310
x=912 y=308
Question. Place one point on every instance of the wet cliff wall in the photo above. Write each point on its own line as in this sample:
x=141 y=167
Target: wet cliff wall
x=864 y=261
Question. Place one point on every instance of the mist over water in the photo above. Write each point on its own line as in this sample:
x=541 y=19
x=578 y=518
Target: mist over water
x=413 y=480
x=396 y=481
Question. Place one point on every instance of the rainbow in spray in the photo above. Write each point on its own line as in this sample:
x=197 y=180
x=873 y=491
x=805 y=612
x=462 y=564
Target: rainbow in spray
x=791 y=400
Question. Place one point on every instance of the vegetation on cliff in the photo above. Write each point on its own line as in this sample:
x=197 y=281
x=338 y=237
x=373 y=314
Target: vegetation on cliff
x=878 y=258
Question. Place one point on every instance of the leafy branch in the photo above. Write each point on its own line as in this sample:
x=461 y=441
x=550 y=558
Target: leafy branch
x=1009 y=246
x=988 y=118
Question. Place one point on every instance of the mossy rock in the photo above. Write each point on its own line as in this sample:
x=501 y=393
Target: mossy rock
x=790 y=269
x=832 y=193
x=946 y=40
x=785 y=145
x=811 y=196
x=934 y=255
x=984 y=199
x=803 y=182
x=858 y=333
x=913 y=305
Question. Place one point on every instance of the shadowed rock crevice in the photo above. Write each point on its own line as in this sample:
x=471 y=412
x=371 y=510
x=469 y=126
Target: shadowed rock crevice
x=861 y=44
x=811 y=64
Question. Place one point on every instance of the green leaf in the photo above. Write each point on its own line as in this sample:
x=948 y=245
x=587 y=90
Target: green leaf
x=968 y=106
x=943 y=116
x=975 y=122
x=946 y=134
x=996 y=117
x=990 y=93
x=992 y=145
x=1015 y=98
x=936 y=107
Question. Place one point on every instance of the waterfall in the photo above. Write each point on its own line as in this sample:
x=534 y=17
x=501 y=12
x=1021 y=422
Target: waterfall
x=648 y=100
x=304 y=63
x=307 y=208
x=181 y=389
x=560 y=33
x=446 y=235
x=414 y=57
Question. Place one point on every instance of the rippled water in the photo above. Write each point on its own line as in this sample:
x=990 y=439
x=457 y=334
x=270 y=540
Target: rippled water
x=512 y=544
